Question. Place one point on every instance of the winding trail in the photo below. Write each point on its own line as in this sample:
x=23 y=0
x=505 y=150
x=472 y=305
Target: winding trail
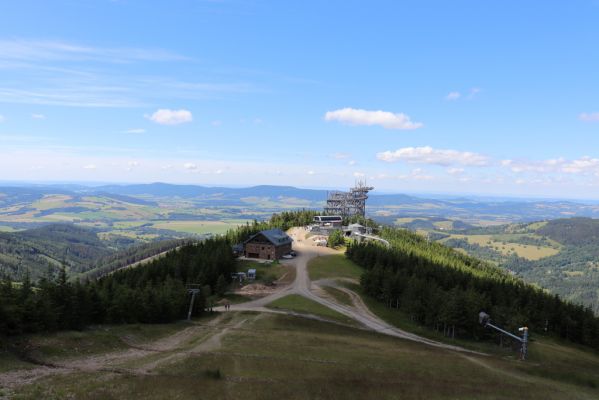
x=197 y=339
x=303 y=286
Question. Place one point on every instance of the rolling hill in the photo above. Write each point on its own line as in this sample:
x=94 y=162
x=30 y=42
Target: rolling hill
x=561 y=255
x=50 y=246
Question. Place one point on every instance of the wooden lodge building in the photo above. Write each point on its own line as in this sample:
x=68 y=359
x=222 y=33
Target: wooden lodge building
x=271 y=244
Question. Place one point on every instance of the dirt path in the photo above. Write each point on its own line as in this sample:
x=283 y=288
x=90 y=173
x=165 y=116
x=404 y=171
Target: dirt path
x=302 y=285
x=169 y=349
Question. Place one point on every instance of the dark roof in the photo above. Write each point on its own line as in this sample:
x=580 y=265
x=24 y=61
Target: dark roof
x=275 y=236
x=328 y=218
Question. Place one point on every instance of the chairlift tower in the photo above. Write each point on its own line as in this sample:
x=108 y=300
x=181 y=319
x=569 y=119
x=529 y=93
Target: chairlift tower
x=192 y=289
x=485 y=320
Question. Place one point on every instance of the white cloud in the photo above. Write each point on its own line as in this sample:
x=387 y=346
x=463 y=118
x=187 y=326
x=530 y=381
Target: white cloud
x=455 y=171
x=38 y=116
x=216 y=123
x=52 y=50
x=387 y=120
x=89 y=166
x=136 y=130
x=359 y=174
x=311 y=172
x=417 y=174
x=582 y=165
x=352 y=162
x=473 y=92
x=544 y=166
x=132 y=164
x=428 y=155
x=589 y=117
x=2 y=119
x=165 y=116
x=453 y=96
x=190 y=166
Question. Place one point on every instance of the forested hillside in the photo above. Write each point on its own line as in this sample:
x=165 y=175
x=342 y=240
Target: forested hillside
x=560 y=255
x=49 y=247
x=152 y=292
x=445 y=290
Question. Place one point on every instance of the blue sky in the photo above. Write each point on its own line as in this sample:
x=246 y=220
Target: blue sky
x=472 y=97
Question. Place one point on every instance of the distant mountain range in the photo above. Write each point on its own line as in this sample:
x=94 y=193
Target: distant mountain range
x=383 y=207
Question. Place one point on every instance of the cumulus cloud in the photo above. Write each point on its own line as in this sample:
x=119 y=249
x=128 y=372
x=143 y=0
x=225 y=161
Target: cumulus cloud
x=582 y=165
x=38 y=116
x=387 y=120
x=589 y=117
x=428 y=155
x=165 y=116
x=351 y=162
x=136 y=130
x=453 y=96
x=190 y=166
x=311 y=172
x=89 y=166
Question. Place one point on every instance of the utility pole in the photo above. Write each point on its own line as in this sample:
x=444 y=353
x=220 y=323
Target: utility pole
x=485 y=320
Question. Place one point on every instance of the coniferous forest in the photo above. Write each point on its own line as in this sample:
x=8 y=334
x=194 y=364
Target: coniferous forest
x=445 y=290
x=431 y=283
x=153 y=292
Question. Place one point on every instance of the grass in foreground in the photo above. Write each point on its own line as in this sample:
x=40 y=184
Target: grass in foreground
x=339 y=295
x=266 y=272
x=285 y=357
x=302 y=305
x=333 y=266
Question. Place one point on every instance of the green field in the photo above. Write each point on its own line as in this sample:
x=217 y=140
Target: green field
x=285 y=357
x=302 y=305
x=198 y=227
x=339 y=295
x=267 y=272
x=334 y=266
x=502 y=244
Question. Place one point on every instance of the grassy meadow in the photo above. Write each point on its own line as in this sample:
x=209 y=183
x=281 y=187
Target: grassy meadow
x=262 y=356
x=333 y=266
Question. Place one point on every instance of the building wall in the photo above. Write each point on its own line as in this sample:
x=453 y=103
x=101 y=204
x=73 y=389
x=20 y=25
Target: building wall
x=280 y=251
x=266 y=251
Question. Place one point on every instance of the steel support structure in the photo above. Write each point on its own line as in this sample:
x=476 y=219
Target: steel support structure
x=348 y=204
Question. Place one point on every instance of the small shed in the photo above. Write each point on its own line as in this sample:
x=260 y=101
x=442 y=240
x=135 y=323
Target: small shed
x=353 y=229
x=251 y=275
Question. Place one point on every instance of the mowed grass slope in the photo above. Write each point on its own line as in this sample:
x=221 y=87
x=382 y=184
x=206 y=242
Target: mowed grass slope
x=333 y=267
x=285 y=357
x=302 y=305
